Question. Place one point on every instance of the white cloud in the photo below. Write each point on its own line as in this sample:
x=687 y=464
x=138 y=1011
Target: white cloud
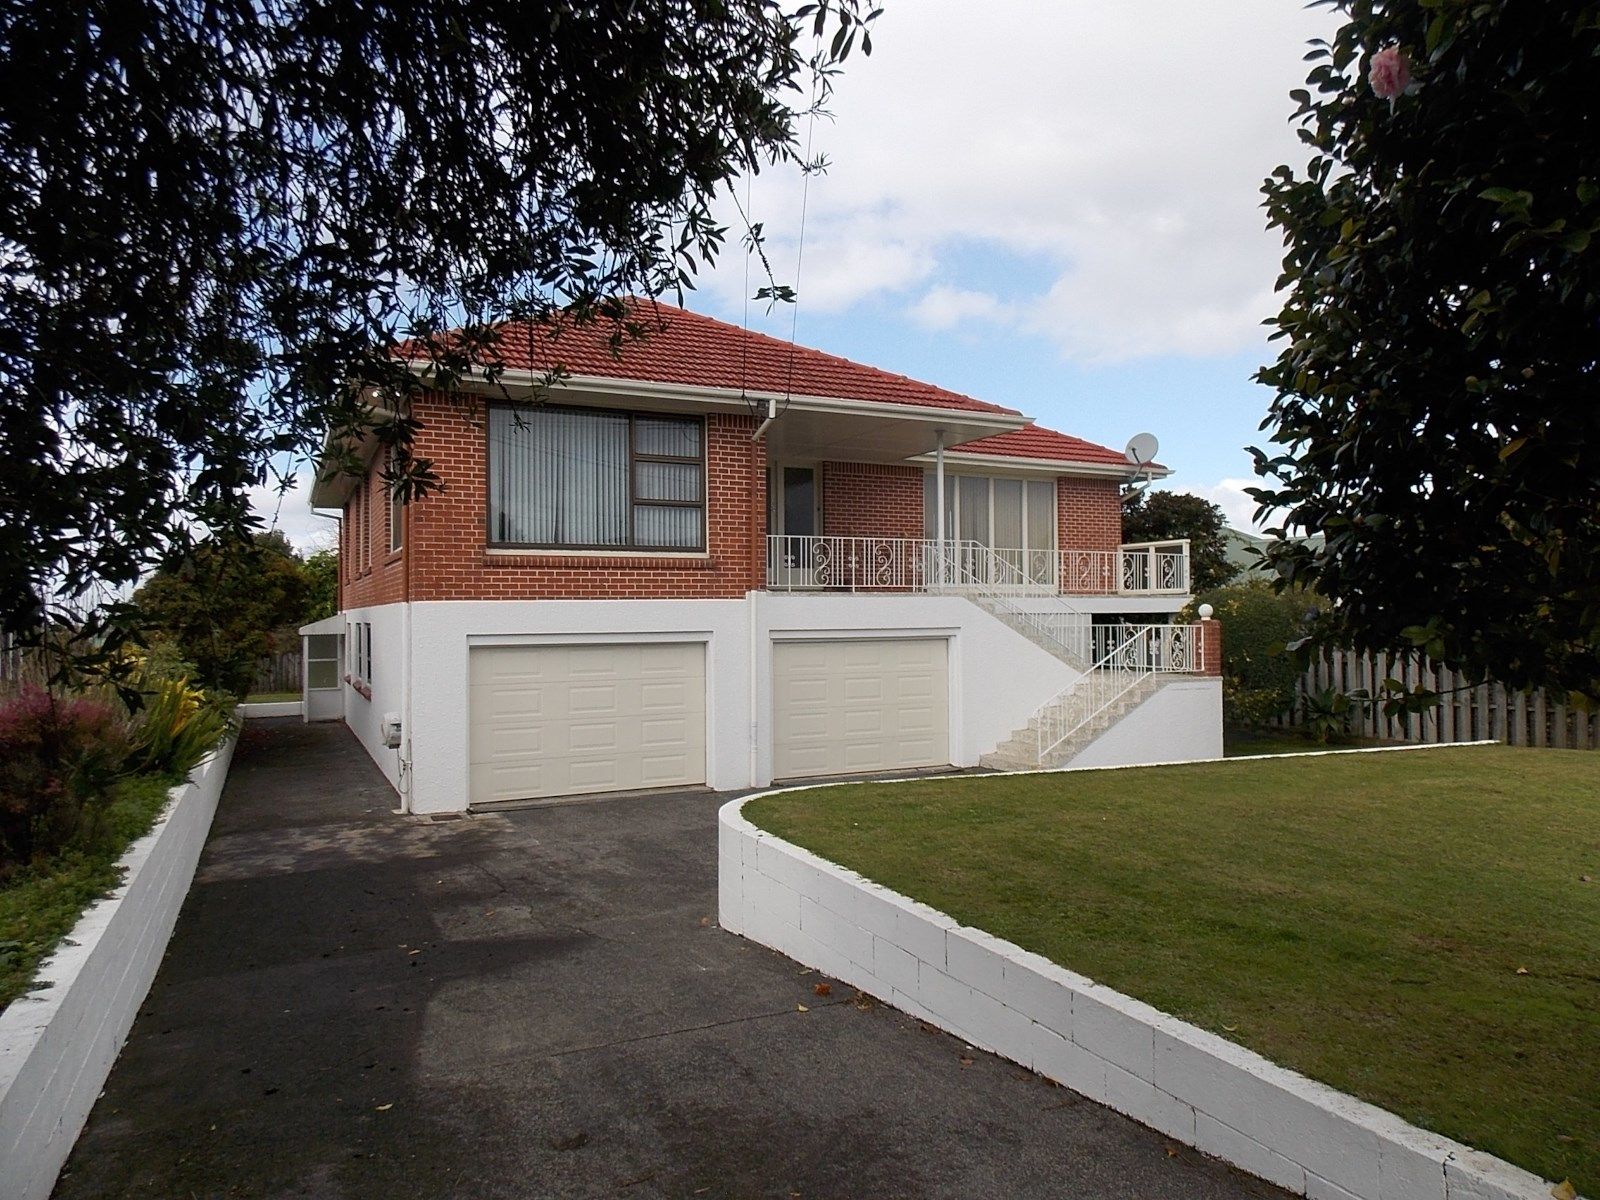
x=1228 y=494
x=1120 y=147
x=945 y=307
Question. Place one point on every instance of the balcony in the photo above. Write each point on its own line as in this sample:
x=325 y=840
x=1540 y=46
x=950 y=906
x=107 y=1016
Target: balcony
x=866 y=564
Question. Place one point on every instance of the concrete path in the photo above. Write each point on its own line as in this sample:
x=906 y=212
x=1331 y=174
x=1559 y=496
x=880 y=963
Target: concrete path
x=540 y=1004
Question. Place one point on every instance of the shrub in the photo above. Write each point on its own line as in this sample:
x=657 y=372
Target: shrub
x=1259 y=679
x=58 y=760
x=175 y=728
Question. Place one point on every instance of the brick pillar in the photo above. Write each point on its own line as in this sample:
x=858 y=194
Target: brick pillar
x=1210 y=646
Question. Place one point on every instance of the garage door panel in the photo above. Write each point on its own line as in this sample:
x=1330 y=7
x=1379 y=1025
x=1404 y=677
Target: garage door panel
x=564 y=720
x=859 y=705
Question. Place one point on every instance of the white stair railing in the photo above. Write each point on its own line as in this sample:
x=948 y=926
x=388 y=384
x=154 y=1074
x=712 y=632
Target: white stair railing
x=1132 y=653
x=999 y=585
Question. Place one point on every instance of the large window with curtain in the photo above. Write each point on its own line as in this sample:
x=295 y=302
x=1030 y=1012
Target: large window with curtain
x=594 y=479
x=1015 y=518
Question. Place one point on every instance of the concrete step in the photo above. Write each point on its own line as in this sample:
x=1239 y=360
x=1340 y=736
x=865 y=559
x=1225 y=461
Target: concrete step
x=1019 y=752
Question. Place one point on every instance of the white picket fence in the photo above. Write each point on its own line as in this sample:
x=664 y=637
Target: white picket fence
x=1466 y=712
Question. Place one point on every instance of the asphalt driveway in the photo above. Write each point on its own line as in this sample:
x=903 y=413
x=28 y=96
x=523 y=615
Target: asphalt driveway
x=540 y=1004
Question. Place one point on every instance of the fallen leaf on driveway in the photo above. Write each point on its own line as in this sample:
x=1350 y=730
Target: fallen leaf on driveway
x=802 y=1008
x=386 y=1107
x=823 y=989
x=965 y=1061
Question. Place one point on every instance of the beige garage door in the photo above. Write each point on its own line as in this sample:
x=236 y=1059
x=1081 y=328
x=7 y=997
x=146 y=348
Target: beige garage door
x=850 y=707
x=568 y=720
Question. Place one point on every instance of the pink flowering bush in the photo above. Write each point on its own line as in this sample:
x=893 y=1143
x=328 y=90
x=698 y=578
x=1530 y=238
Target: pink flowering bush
x=58 y=760
x=1390 y=75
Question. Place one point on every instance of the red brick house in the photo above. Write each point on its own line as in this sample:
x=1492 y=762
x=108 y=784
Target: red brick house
x=720 y=559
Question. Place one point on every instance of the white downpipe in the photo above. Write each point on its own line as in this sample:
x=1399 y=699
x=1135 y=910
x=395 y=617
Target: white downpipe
x=772 y=415
x=938 y=495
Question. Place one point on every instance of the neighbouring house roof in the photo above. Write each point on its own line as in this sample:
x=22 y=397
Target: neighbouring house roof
x=695 y=350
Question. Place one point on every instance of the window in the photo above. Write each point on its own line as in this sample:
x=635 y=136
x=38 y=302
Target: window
x=358 y=651
x=1016 y=518
x=595 y=479
x=366 y=524
x=322 y=661
x=397 y=515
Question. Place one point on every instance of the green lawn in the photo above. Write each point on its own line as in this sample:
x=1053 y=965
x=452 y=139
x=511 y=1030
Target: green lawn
x=1364 y=918
x=40 y=905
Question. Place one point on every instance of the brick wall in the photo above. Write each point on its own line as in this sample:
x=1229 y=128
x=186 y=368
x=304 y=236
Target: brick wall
x=1089 y=513
x=872 y=500
x=376 y=576
x=447 y=534
x=1211 y=647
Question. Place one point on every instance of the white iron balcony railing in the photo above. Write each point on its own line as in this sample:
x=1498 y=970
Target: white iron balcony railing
x=1137 y=569
x=860 y=564
x=850 y=564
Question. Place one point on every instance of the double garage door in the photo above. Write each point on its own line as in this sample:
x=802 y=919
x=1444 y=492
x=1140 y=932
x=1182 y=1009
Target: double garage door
x=603 y=717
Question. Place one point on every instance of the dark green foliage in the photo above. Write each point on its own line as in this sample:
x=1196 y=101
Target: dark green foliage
x=58 y=759
x=1259 y=677
x=218 y=218
x=1155 y=516
x=321 y=572
x=1436 y=414
x=221 y=607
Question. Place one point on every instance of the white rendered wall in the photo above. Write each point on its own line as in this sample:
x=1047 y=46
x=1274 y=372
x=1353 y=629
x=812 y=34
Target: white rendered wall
x=365 y=716
x=998 y=678
x=1180 y=723
x=444 y=631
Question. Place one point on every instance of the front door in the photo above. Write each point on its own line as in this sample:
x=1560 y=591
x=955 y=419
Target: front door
x=794 y=521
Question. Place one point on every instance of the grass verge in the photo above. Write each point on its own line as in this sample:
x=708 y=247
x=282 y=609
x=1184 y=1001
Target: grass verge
x=40 y=905
x=271 y=697
x=1419 y=929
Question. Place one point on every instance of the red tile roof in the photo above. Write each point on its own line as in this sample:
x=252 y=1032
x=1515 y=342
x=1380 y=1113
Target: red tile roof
x=690 y=348
x=1035 y=441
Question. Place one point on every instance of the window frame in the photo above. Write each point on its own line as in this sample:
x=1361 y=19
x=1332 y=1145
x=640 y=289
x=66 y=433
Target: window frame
x=953 y=497
x=632 y=545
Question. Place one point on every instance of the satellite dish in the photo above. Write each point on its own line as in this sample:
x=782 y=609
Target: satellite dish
x=1142 y=449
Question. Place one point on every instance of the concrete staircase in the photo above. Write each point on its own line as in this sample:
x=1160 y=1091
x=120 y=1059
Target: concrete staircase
x=1019 y=752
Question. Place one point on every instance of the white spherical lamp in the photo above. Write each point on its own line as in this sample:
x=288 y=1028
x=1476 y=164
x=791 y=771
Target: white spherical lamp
x=1205 y=612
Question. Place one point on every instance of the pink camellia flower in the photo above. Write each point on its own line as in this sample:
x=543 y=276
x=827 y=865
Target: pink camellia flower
x=1391 y=73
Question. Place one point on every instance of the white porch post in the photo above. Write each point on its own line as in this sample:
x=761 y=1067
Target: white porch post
x=938 y=499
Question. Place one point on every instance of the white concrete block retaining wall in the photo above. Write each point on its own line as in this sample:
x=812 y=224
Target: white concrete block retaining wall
x=57 y=1044
x=1191 y=1085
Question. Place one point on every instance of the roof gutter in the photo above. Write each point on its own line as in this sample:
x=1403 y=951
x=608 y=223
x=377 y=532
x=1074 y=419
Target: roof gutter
x=1001 y=420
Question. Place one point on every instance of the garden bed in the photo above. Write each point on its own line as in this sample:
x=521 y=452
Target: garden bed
x=1418 y=929
x=60 y=1036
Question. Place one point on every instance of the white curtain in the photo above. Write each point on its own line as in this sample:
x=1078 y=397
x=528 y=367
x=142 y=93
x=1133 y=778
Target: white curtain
x=558 y=477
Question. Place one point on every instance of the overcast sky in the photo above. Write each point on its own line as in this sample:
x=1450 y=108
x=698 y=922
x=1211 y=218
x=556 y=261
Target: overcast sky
x=1052 y=205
